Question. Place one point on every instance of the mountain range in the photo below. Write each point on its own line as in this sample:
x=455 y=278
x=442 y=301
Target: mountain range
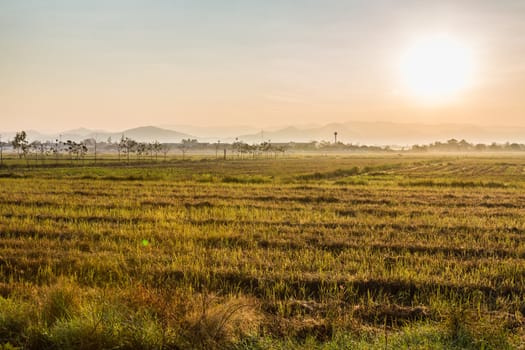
x=141 y=134
x=356 y=132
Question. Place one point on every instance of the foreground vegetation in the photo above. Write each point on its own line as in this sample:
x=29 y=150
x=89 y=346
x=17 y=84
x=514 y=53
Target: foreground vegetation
x=317 y=253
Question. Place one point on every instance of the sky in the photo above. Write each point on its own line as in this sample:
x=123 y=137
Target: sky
x=117 y=64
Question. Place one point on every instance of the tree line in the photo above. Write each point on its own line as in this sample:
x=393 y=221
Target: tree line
x=127 y=148
x=73 y=150
x=454 y=145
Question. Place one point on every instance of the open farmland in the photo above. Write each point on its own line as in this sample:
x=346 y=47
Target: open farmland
x=320 y=252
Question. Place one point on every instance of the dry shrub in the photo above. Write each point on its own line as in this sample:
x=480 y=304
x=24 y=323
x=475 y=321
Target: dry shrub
x=196 y=321
x=168 y=306
x=218 y=323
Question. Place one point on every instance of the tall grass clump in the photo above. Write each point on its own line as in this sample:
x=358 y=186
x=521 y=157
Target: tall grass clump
x=15 y=318
x=60 y=302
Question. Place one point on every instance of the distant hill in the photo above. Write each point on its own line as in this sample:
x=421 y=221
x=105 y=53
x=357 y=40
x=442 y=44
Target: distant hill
x=214 y=133
x=153 y=133
x=141 y=134
x=386 y=133
x=356 y=132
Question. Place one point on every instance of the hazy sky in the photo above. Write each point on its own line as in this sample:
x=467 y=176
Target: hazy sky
x=116 y=64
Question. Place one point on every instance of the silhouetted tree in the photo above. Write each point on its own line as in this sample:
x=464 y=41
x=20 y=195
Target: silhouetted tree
x=187 y=144
x=156 y=147
x=266 y=147
x=141 y=149
x=37 y=148
x=514 y=147
x=281 y=149
x=127 y=145
x=165 y=148
x=418 y=148
x=236 y=146
x=70 y=147
x=77 y=149
x=20 y=143
x=480 y=147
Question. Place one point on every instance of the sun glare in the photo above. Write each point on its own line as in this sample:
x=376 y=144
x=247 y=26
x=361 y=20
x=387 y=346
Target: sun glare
x=436 y=69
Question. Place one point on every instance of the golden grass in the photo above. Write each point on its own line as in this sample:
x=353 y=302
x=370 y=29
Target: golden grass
x=208 y=254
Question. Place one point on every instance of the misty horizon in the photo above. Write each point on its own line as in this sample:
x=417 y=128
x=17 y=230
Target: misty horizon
x=356 y=132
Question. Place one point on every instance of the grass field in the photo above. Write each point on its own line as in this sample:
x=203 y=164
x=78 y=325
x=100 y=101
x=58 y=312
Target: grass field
x=386 y=252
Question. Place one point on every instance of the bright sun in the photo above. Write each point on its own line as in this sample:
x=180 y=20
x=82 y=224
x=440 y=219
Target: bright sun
x=436 y=69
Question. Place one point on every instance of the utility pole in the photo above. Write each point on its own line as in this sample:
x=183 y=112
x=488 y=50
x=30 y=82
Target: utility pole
x=217 y=149
x=335 y=137
x=56 y=151
x=95 y=149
